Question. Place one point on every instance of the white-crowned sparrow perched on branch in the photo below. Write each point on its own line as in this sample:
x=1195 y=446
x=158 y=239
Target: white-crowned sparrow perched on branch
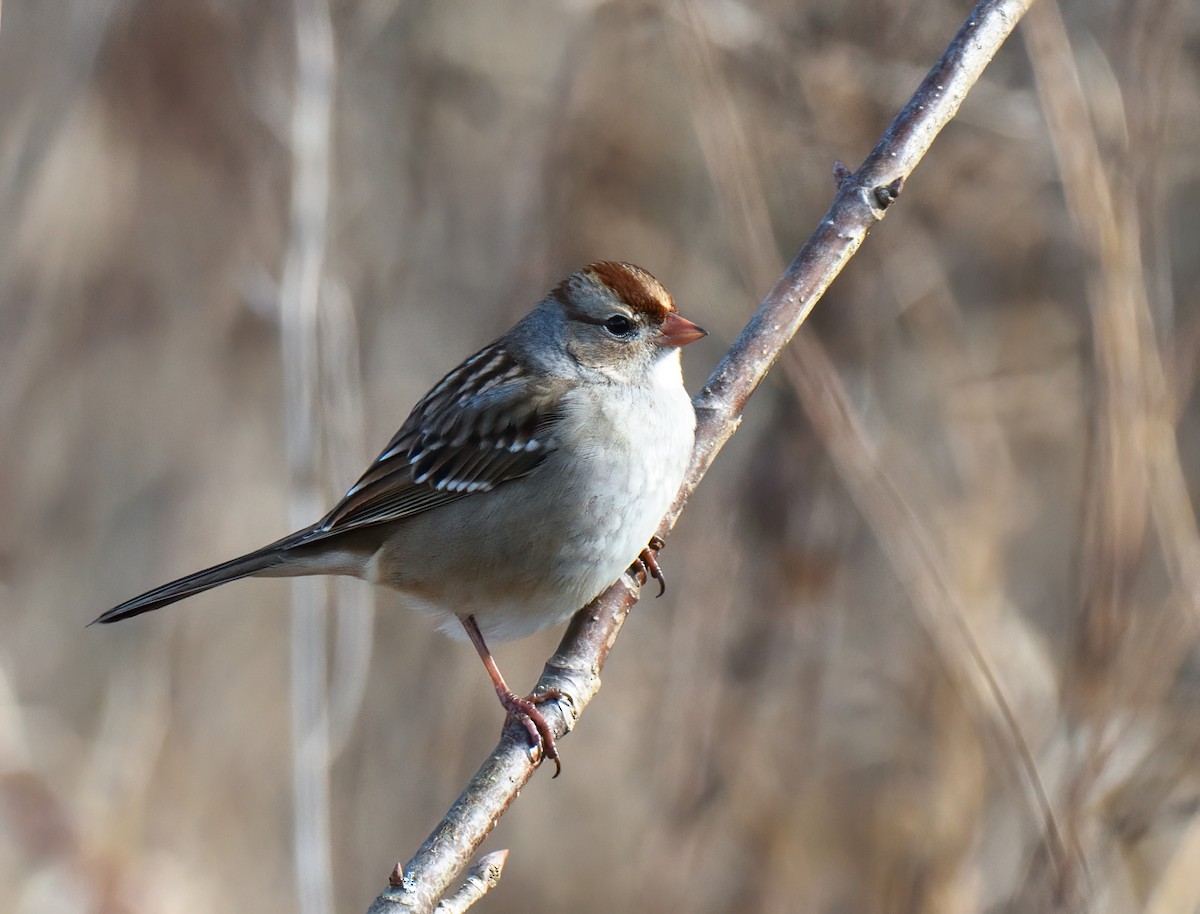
x=522 y=485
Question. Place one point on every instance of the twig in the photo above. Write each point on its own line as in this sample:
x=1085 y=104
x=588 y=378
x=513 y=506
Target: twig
x=481 y=879
x=907 y=541
x=860 y=202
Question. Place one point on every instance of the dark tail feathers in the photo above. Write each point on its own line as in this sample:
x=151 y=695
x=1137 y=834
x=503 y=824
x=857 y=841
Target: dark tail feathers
x=241 y=567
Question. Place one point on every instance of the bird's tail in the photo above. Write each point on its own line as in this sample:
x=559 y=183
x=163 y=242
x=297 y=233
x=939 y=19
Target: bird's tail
x=262 y=560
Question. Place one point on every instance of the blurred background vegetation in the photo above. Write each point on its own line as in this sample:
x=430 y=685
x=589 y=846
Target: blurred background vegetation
x=785 y=730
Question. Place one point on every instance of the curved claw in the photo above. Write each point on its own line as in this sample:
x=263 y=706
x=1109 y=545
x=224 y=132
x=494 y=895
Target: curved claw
x=525 y=710
x=647 y=565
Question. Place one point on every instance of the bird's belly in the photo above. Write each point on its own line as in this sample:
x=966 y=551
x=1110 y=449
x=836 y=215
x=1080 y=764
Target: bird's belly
x=545 y=545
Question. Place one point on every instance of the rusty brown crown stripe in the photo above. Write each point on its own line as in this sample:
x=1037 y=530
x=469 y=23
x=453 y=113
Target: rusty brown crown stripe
x=634 y=286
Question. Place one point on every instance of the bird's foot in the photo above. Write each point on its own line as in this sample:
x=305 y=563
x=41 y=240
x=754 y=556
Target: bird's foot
x=526 y=711
x=646 y=566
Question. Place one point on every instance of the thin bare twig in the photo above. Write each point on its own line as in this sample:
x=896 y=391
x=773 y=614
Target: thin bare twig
x=574 y=670
x=908 y=543
x=481 y=879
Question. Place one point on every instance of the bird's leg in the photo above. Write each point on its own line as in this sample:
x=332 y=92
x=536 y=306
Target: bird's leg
x=522 y=709
x=646 y=565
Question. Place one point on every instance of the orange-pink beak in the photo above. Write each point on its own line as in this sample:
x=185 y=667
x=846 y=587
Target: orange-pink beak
x=678 y=331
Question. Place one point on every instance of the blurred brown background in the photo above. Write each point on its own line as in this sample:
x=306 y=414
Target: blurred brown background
x=789 y=729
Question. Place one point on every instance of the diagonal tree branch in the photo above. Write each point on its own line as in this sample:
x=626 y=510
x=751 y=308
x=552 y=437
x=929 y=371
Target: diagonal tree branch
x=861 y=201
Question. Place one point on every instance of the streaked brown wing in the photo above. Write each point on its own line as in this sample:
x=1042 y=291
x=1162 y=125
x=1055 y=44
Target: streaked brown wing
x=482 y=425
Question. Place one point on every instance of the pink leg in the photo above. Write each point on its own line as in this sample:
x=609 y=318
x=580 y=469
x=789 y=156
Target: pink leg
x=522 y=709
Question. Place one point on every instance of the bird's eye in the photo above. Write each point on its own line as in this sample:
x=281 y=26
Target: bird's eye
x=619 y=325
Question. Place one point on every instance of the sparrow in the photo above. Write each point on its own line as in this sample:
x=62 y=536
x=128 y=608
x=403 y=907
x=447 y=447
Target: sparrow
x=521 y=486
